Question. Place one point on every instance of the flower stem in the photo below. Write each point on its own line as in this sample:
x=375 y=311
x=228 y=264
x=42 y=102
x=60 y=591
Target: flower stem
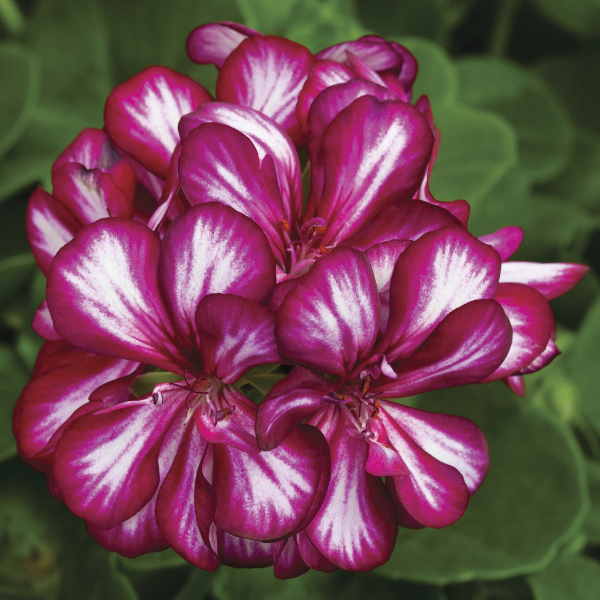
x=502 y=27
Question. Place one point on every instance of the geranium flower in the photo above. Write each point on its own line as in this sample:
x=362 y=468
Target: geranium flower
x=444 y=329
x=148 y=471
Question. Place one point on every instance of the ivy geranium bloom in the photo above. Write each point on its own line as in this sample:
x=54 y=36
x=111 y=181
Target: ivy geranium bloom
x=181 y=464
x=444 y=329
x=524 y=291
x=240 y=157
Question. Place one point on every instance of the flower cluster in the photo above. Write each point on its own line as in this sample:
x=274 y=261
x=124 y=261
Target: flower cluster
x=182 y=253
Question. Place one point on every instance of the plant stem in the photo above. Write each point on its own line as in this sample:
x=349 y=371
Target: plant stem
x=501 y=30
x=11 y=17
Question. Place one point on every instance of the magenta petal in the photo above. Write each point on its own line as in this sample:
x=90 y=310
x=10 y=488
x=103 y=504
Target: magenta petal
x=550 y=279
x=516 y=384
x=377 y=152
x=404 y=220
x=383 y=460
x=103 y=294
x=90 y=148
x=439 y=272
x=90 y=194
x=50 y=398
x=270 y=495
x=453 y=440
x=106 y=463
x=375 y=51
x=324 y=109
x=214 y=42
x=505 y=241
x=338 y=297
x=220 y=164
x=545 y=358
x=287 y=560
x=266 y=73
x=236 y=334
x=382 y=258
x=435 y=493
x=355 y=528
x=311 y=556
x=185 y=503
x=50 y=225
x=243 y=553
x=236 y=429
x=141 y=115
x=292 y=400
x=267 y=137
x=281 y=291
x=469 y=344
x=42 y=324
x=321 y=75
x=136 y=536
x=212 y=249
x=532 y=323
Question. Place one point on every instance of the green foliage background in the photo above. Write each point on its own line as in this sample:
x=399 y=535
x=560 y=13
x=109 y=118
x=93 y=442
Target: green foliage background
x=515 y=88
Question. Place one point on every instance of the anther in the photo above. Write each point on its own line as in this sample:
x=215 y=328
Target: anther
x=366 y=384
x=285 y=225
x=157 y=397
x=324 y=250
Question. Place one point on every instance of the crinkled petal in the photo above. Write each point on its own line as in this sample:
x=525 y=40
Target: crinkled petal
x=375 y=51
x=185 y=503
x=355 y=528
x=50 y=225
x=236 y=334
x=453 y=440
x=550 y=279
x=435 y=493
x=90 y=194
x=469 y=344
x=42 y=323
x=292 y=400
x=212 y=249
x=287 y=560
x=532 y=324
x=49 y=399
x=243 y=553
x=270 y=495
x=141 y=115
x=267 y=73
x=376 y=152
x=404 y=220
x=505 y=241
x=212 y=43
x=267 y=137
x=220 y=164
x=106 y=463
x=330 y=319
x=103 y=294
x=439 y=272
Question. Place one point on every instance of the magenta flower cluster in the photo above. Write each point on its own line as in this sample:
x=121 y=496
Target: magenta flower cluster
x=180 y=248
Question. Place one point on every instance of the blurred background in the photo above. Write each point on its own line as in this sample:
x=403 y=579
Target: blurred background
x=515 y=90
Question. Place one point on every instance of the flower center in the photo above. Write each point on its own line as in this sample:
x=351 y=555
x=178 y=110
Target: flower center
x=361 y=405
x=305 y=249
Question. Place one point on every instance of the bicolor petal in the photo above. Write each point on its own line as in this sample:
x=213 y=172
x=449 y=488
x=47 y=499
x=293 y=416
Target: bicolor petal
x=142 y=114
x=505 y=241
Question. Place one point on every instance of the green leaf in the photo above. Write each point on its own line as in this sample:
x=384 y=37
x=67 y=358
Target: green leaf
x=153 y=561
x=591 y=526
x=15 y=271
x=477 y=148
x=576 y=78
x=20 y=74
x=572 y=577
x=115 y=586
x=542 y=124
x=28 y=346
x=437 y=75
x=579 y=16
x=197 y=586
x=13 y=377
x=145 y=383
x=533 y=500
x=582 y=365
